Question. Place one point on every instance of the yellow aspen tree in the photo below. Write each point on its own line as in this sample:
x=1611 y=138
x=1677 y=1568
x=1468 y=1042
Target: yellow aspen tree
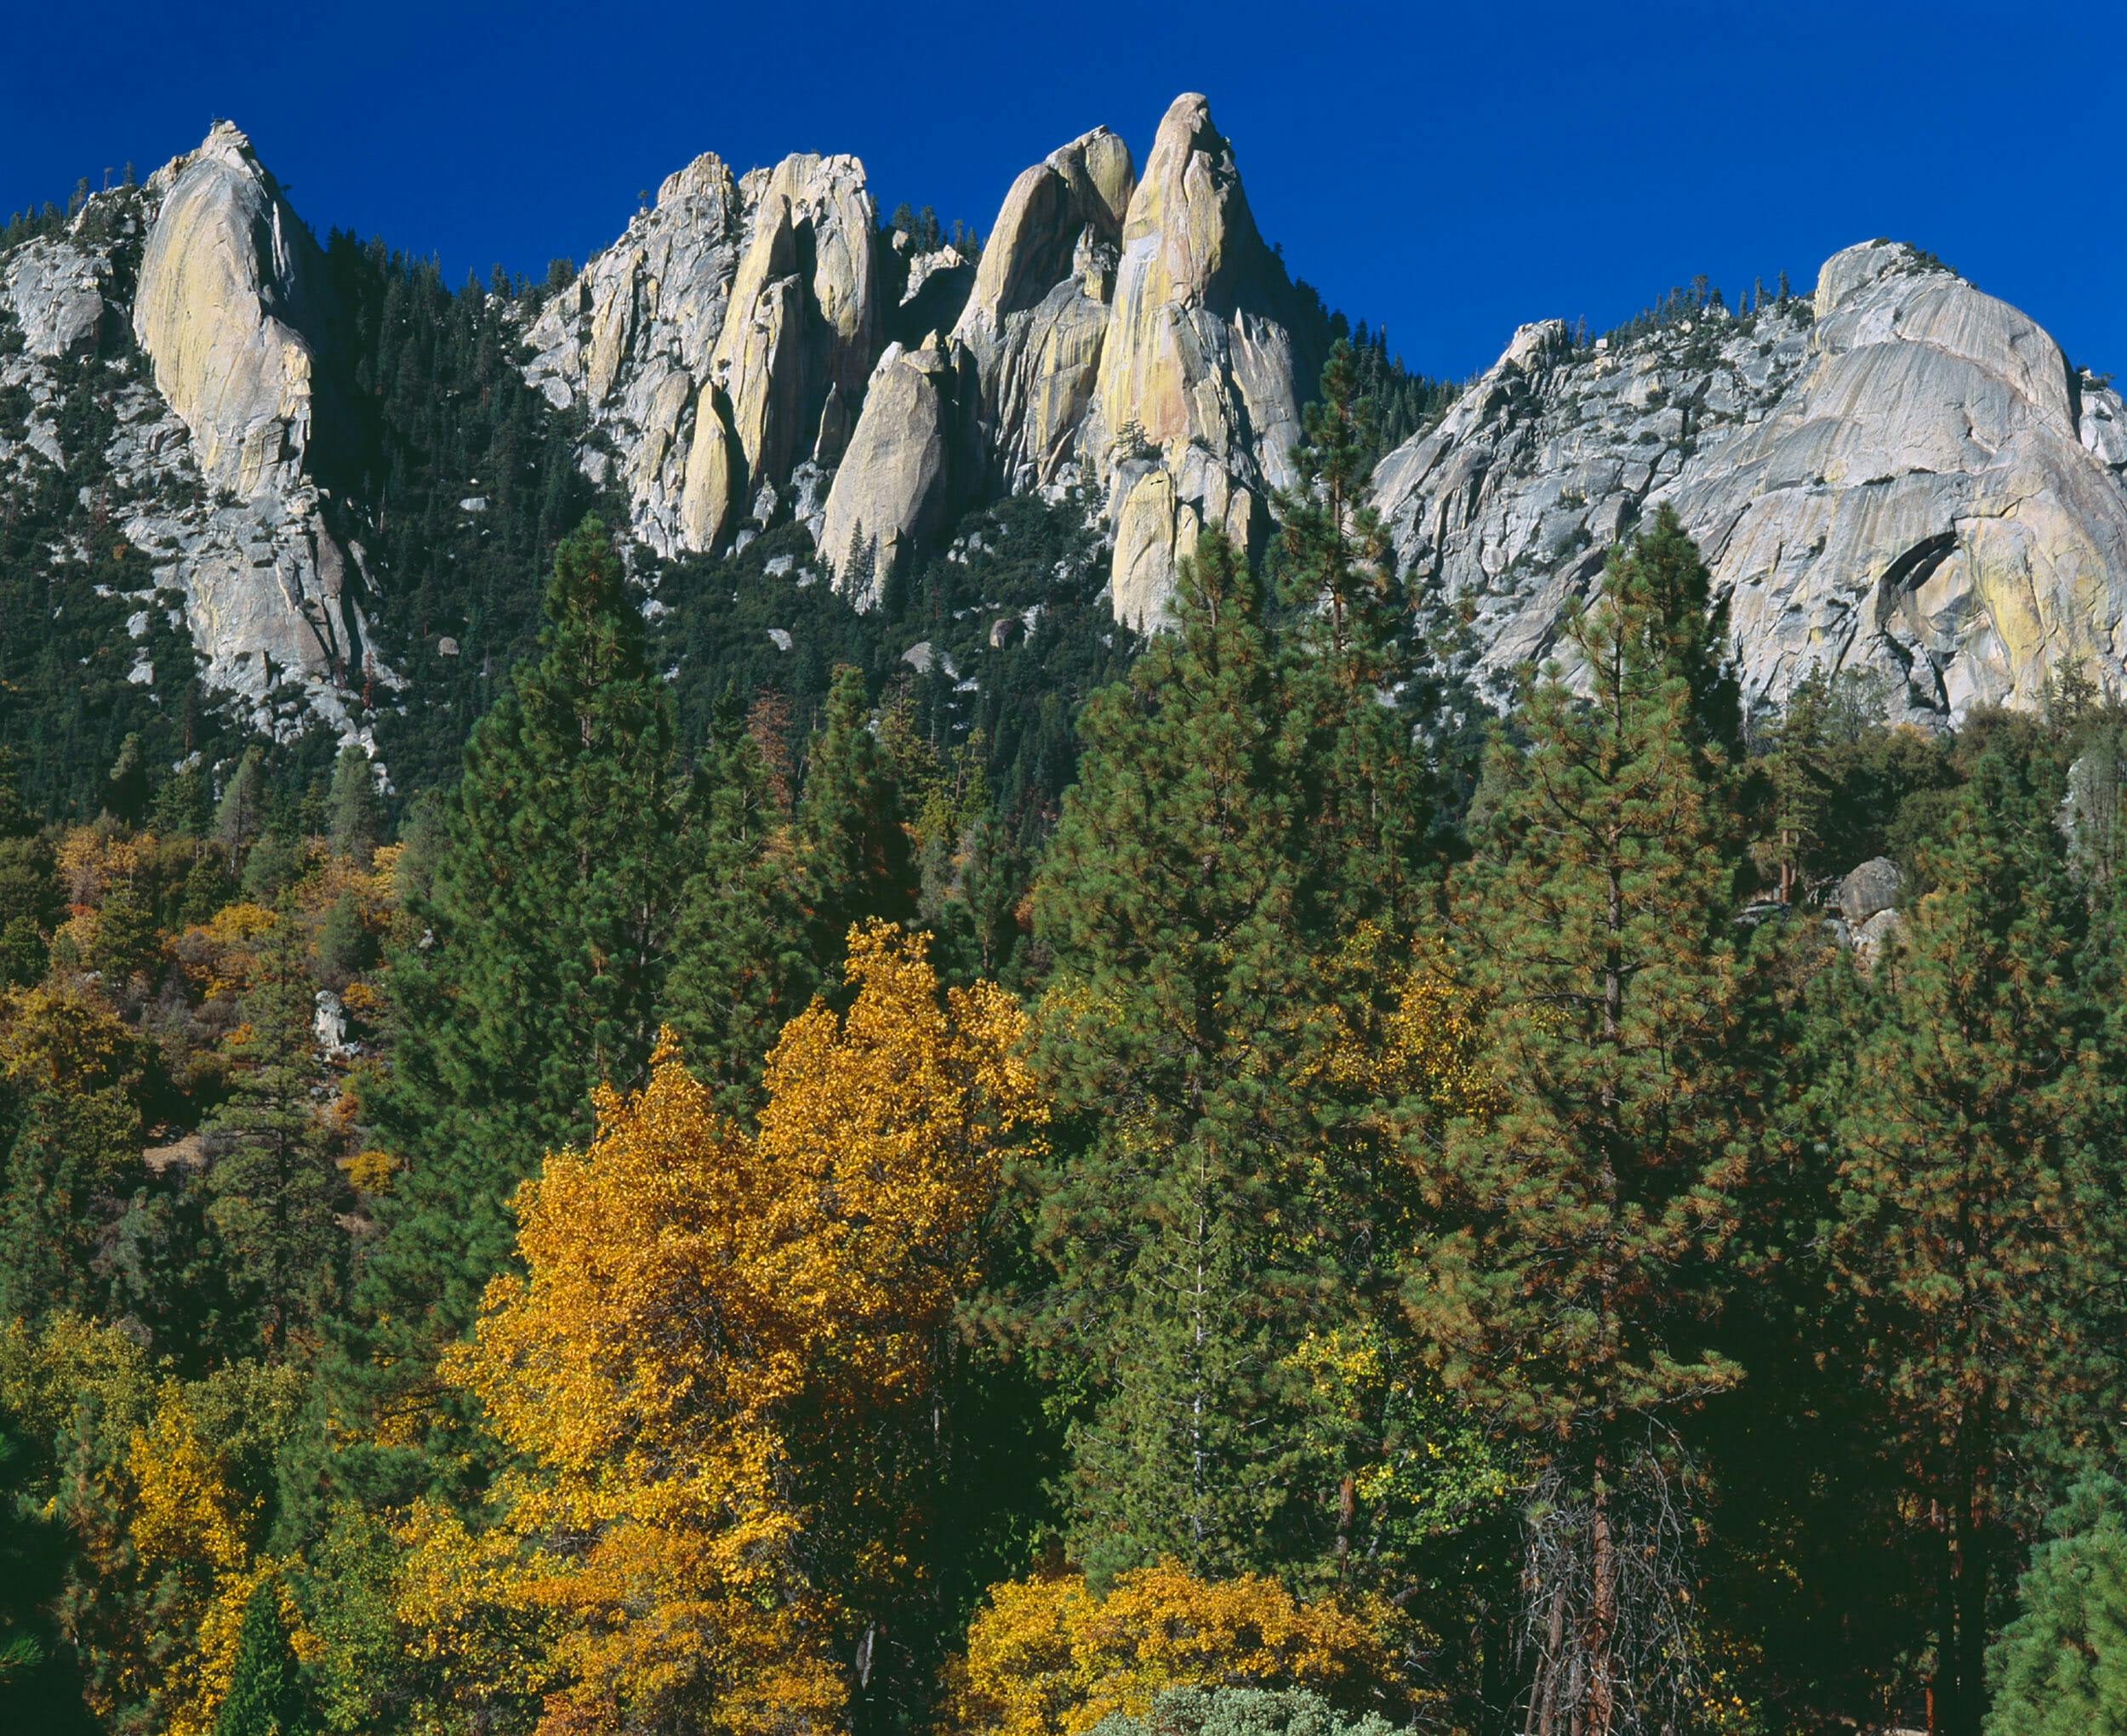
x=712 y=1364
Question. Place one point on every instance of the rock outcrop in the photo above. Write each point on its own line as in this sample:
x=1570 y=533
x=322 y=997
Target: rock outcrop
x=227 y=308
x=1200 y=375
x=630 y=341
x=1037 y=316
x=913 y=452
x=706 y=345
x=1134 y=338
x=230 y=313
x=1899 y=475
x=55 y=290
x=211 y=414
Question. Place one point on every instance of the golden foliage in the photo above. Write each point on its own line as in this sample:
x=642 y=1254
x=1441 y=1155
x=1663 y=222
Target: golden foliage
x=220 y=954
x=685 y=1287
x=1048 y=1656
x=59 y=1037
x=1416 y=1034
x=190 y=1536
x=370 y=1171
x=90 y=857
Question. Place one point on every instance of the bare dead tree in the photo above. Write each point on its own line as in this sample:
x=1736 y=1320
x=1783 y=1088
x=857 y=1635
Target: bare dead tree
x=1608 y=1643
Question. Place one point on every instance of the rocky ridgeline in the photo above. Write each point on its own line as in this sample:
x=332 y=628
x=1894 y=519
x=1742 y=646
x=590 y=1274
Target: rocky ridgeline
x=1901 y=474
x=213 y=412
x=742 y=355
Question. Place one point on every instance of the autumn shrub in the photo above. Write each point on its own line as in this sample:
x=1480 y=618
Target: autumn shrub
x=1052 y=1656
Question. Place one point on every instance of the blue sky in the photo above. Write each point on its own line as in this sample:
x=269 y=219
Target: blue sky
x=1450 y=170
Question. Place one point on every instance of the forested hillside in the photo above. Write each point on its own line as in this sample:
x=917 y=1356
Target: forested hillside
x=948 y=1169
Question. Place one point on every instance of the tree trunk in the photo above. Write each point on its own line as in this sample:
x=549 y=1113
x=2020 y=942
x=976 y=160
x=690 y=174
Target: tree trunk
x=1602 y=1619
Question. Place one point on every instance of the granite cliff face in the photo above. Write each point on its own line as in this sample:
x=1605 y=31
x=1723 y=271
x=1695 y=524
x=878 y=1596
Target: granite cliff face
x=1198 y=402
x=1899 y=475
x=214 y=414
x=747 y=351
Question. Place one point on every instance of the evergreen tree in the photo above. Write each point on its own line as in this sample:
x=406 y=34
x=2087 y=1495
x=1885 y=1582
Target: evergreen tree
x=2060 y=1669
x=71 y=1075
x=16 y=821
x=38 y=1685
x=1976 y=1227
x=1800 y=781
x=1171 y=1034
x=1357 y=768
x=266 y=1695
x=240 y=815
x=1568 y=1294
x=126 y=793
x=541 y=949
x=355 y=823
x=854 y=859
x=180 y=808
x=741 y=967
x=274 y=1188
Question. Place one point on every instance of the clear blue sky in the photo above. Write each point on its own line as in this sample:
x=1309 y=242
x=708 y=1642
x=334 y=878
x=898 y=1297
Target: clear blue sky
x=1450 y=170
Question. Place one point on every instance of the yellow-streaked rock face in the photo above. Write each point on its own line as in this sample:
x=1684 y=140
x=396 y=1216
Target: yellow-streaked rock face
x=755 y=295
x=1037 y=314
x=791 y=335
x=1198 y=363
x=226 y=283
x=705 y=500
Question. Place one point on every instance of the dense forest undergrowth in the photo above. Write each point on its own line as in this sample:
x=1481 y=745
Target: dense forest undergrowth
x=947 y=1170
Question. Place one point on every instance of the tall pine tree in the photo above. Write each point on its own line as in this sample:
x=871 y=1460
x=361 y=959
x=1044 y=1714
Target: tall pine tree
x=1173 y=1034
x=1569 y=1291
x=1976 y=1215
x=275 y=1191
x=741 y=965
x=1364 y=831
x=542 y=944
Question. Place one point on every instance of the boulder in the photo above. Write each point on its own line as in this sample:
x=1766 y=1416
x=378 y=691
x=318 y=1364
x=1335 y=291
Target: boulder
x=1868 y=890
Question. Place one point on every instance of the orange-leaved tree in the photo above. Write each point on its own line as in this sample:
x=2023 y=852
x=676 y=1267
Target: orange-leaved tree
x=717 y=1375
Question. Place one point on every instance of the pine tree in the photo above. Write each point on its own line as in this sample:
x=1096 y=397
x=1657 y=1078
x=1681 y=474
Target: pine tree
x=1172 y=1035
x=1976 y=1226
x=741 y=966
x=265 y=1695
x=15 y=820
x=854 y=853
x=2060 y=1669
x=1356 y=765
x=1800 y=780
x=542 y=941
x=356 y=818
x=126 y=792
x=70 y=1077
x=241 y=814
x=1568 y=1293
x=274 y=1187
